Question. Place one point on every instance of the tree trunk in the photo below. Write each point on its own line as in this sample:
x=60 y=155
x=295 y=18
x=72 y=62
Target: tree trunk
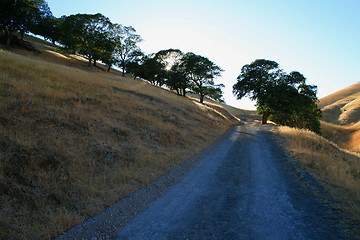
x=8 y=36
x=184 y=92
x=265 y=117
x=8 y=40
x=123 y=68
x=202 y=98
x=94 y=63
x=90 y=60
x=109 y=67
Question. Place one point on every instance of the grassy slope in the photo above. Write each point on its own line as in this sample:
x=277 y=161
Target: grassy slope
x=248 y=114
x=347 y=137
x=326 y=159
x=332 y=98
x=341 y=115
x=338 y=171
x=75 y=140
x=342 y=107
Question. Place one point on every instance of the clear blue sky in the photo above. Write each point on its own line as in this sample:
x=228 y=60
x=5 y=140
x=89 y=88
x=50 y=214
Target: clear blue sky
x=319 y=38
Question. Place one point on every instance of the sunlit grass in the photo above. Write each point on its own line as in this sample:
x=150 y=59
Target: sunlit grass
x=338 y=170
x=347 y=136
x=342 y=107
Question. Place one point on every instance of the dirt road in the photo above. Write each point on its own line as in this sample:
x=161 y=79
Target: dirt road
x=244 y=188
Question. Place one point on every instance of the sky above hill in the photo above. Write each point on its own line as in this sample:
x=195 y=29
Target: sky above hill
x=320 y=39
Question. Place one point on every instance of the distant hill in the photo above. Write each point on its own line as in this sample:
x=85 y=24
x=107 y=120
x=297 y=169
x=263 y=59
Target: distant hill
x=342 y=107
x=341 y=117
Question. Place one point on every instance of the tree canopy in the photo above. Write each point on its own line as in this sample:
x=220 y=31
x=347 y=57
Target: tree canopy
x=21 y=15
x=285 y=98
x=152 y=70
x=87 y=34
x=199 y=71
x=92 y=35
x=179 y=71
x=125 y=41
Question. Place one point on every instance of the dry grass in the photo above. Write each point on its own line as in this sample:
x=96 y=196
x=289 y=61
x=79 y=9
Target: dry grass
x=342 y=107
x=236 y=112
x=73 y=142
x=336 y=169
x=341 y=114
x=51 y=53
x=344 y=93
x=347 y=137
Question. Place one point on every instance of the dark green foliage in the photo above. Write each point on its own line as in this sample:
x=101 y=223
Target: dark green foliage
x=97 y=38
x=169 y=57
x=215 y=92
x=48 y=27
x=152 y=70
x=42 y=21
x=175 y=77
x=285 y=98
x=177 y=80
x=87 y=34
x=199 y=71
x=125 y=41
x=92 y=35
x=21 y=15
x=133 y=64
x=159 y=68
x=305 y=114
x=180 y=72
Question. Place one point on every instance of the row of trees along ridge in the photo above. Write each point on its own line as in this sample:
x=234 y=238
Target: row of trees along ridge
x=98 y=39
x=180 y=71
x=284 y=98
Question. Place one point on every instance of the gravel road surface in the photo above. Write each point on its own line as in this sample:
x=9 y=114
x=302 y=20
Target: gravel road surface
x=245 y=187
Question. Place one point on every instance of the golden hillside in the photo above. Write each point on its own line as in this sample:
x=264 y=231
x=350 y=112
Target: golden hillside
x=342 y=107
x=338 y=171
x=347 y=137
x=341 y=117
x=75 y=139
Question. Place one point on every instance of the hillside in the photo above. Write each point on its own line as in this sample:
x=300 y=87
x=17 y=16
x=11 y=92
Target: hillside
x=342 y=107
x=332 y=165
x=338 y=171
x=74 y=139
x=334 y=97
x=341 y=116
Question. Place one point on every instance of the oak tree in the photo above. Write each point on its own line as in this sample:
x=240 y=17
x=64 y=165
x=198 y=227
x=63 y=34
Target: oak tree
x=87 y=34
x=200 y=71
x=125 y=40
x=21 y=15
x=286 y=98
